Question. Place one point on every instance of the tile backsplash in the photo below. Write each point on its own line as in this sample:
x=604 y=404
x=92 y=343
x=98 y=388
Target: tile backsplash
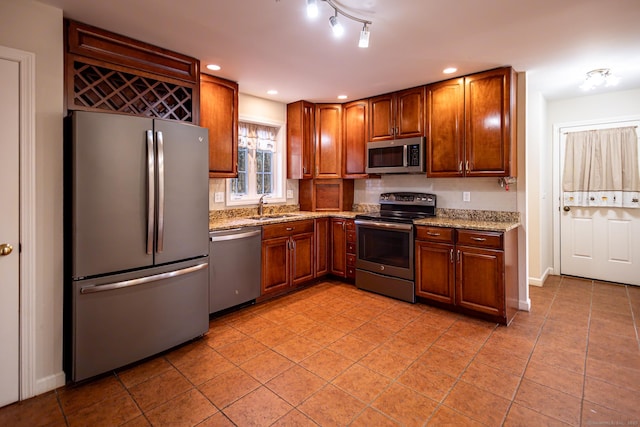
x=485 y=193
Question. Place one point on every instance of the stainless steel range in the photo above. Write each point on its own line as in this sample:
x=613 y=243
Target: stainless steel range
x=385 y=242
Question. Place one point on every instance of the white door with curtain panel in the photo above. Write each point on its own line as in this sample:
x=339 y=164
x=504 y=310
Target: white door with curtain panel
x=600 y=210
x=9 y=231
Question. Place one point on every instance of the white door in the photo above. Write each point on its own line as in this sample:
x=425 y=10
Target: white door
x=599 y=243
x=9 y=231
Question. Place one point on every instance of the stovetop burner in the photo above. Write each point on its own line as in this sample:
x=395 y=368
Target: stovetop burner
x=403 y=207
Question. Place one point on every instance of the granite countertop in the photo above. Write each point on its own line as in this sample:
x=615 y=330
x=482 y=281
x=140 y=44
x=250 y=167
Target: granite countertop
x=474 y=220
x=216 y=224
x=472 y=224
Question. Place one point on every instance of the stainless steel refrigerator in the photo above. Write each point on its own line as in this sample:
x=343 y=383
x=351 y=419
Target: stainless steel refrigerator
x=137 y=239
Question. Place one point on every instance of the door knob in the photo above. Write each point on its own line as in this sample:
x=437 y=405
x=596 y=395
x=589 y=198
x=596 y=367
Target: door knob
x=5 y=249
x=567 y=208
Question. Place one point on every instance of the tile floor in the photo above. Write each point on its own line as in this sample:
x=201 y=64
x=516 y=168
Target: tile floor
x=332 y=355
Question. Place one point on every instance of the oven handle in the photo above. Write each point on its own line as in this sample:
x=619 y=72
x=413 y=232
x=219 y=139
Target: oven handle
x=386 y=225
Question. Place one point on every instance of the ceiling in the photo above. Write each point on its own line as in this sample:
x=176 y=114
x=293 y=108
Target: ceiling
x=271 y=44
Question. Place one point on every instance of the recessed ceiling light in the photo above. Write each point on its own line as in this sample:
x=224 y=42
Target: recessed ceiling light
x=450 y=70
x=213 y=67
x=342 y=96
x=272 y=92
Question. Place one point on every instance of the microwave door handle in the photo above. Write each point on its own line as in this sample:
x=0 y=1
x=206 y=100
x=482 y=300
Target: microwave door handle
x=404 y=156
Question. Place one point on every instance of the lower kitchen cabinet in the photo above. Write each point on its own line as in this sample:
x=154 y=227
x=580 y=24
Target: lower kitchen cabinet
x=343 y=248
x=339 y=247
x=472 y=271
x=322 y=246
x=287 y=255
x=350 y=225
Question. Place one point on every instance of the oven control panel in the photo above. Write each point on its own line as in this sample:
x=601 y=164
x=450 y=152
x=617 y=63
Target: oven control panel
x=423 y=199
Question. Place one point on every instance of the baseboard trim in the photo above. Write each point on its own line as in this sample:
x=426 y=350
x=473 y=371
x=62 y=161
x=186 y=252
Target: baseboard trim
x=524 y=305
x=533 y=281
x=49 y=383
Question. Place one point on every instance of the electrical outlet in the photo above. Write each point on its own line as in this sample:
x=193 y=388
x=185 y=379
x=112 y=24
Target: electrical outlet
x=466 y=196
x=289 y=194
x=218 y=197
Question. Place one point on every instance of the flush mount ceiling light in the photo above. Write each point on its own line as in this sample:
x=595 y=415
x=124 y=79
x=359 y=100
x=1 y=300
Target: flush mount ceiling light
x=599 y=77
x=336 y=27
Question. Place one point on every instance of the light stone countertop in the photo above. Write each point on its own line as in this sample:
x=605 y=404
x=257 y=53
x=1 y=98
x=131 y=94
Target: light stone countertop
x=485 y=223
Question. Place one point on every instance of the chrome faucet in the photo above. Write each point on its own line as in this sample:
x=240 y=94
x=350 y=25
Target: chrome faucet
x=261 y=205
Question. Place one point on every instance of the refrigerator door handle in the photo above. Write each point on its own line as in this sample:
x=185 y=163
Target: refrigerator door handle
x=90 y=289
x=151 y=191
x=160 y=141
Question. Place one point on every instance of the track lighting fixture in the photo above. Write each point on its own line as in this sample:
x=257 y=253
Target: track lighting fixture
x=336 y=26
x=599 y=77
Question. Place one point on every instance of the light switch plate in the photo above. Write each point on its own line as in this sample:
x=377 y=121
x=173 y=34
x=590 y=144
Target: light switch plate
x=289 y=194
x=466 y=196
x=218 y=197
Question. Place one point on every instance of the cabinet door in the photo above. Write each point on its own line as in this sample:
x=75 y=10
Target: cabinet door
x=322 y=247
x=488 y=123
x=339 y=247
x=355 y=137
x=302 y=266
x=435 y=271
x=480 y=280
x=381 y=117
x=409 y=120
x=445 y=128
x=219 y=113
x=300 y=134
x=328 y=141
x=275 y=265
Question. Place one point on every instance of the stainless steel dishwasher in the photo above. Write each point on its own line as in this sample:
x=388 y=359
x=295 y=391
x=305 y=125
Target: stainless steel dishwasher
x=234 y=267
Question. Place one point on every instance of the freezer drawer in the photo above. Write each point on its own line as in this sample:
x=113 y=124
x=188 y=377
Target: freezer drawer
x=117 y=320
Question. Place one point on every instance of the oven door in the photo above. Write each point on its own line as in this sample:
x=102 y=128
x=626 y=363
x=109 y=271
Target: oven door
x=385 y=248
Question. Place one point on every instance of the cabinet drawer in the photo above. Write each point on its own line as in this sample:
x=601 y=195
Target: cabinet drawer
x=351 y=236
x=485 y=239
x=287 y=229
x=351 y=248
x=351 y=272
x=350 y=225
x=351 y=260
x=435 y=234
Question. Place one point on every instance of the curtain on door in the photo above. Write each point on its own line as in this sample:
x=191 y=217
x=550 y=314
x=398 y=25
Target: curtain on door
x=601 y=168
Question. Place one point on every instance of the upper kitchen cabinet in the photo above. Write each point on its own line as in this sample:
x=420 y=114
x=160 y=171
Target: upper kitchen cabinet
x=470 y=128
x=105 y=71
x=445 y=128
x=300 y=139
x=355 y=134
x=219 y=113
x=397 y=115
x=328 y=149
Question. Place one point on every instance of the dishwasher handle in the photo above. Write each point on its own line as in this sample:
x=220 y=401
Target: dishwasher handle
x=234 y=236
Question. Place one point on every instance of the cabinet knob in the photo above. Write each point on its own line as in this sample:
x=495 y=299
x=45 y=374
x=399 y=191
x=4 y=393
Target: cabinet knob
x=478 y=239
x=566 y=208
x=430 y=233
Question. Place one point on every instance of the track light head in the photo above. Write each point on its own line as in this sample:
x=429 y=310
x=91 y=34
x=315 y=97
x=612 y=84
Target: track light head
x=364 y=37
x=336 y=26
x=312 y=8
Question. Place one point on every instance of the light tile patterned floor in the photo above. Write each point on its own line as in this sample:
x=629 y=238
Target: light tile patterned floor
x=332 y=355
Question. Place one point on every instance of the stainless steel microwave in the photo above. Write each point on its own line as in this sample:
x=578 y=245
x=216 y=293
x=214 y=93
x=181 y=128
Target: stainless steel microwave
x=396 y=156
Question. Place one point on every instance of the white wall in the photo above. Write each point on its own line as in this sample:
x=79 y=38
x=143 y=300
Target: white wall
x=538 y=197
x=37 y=28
